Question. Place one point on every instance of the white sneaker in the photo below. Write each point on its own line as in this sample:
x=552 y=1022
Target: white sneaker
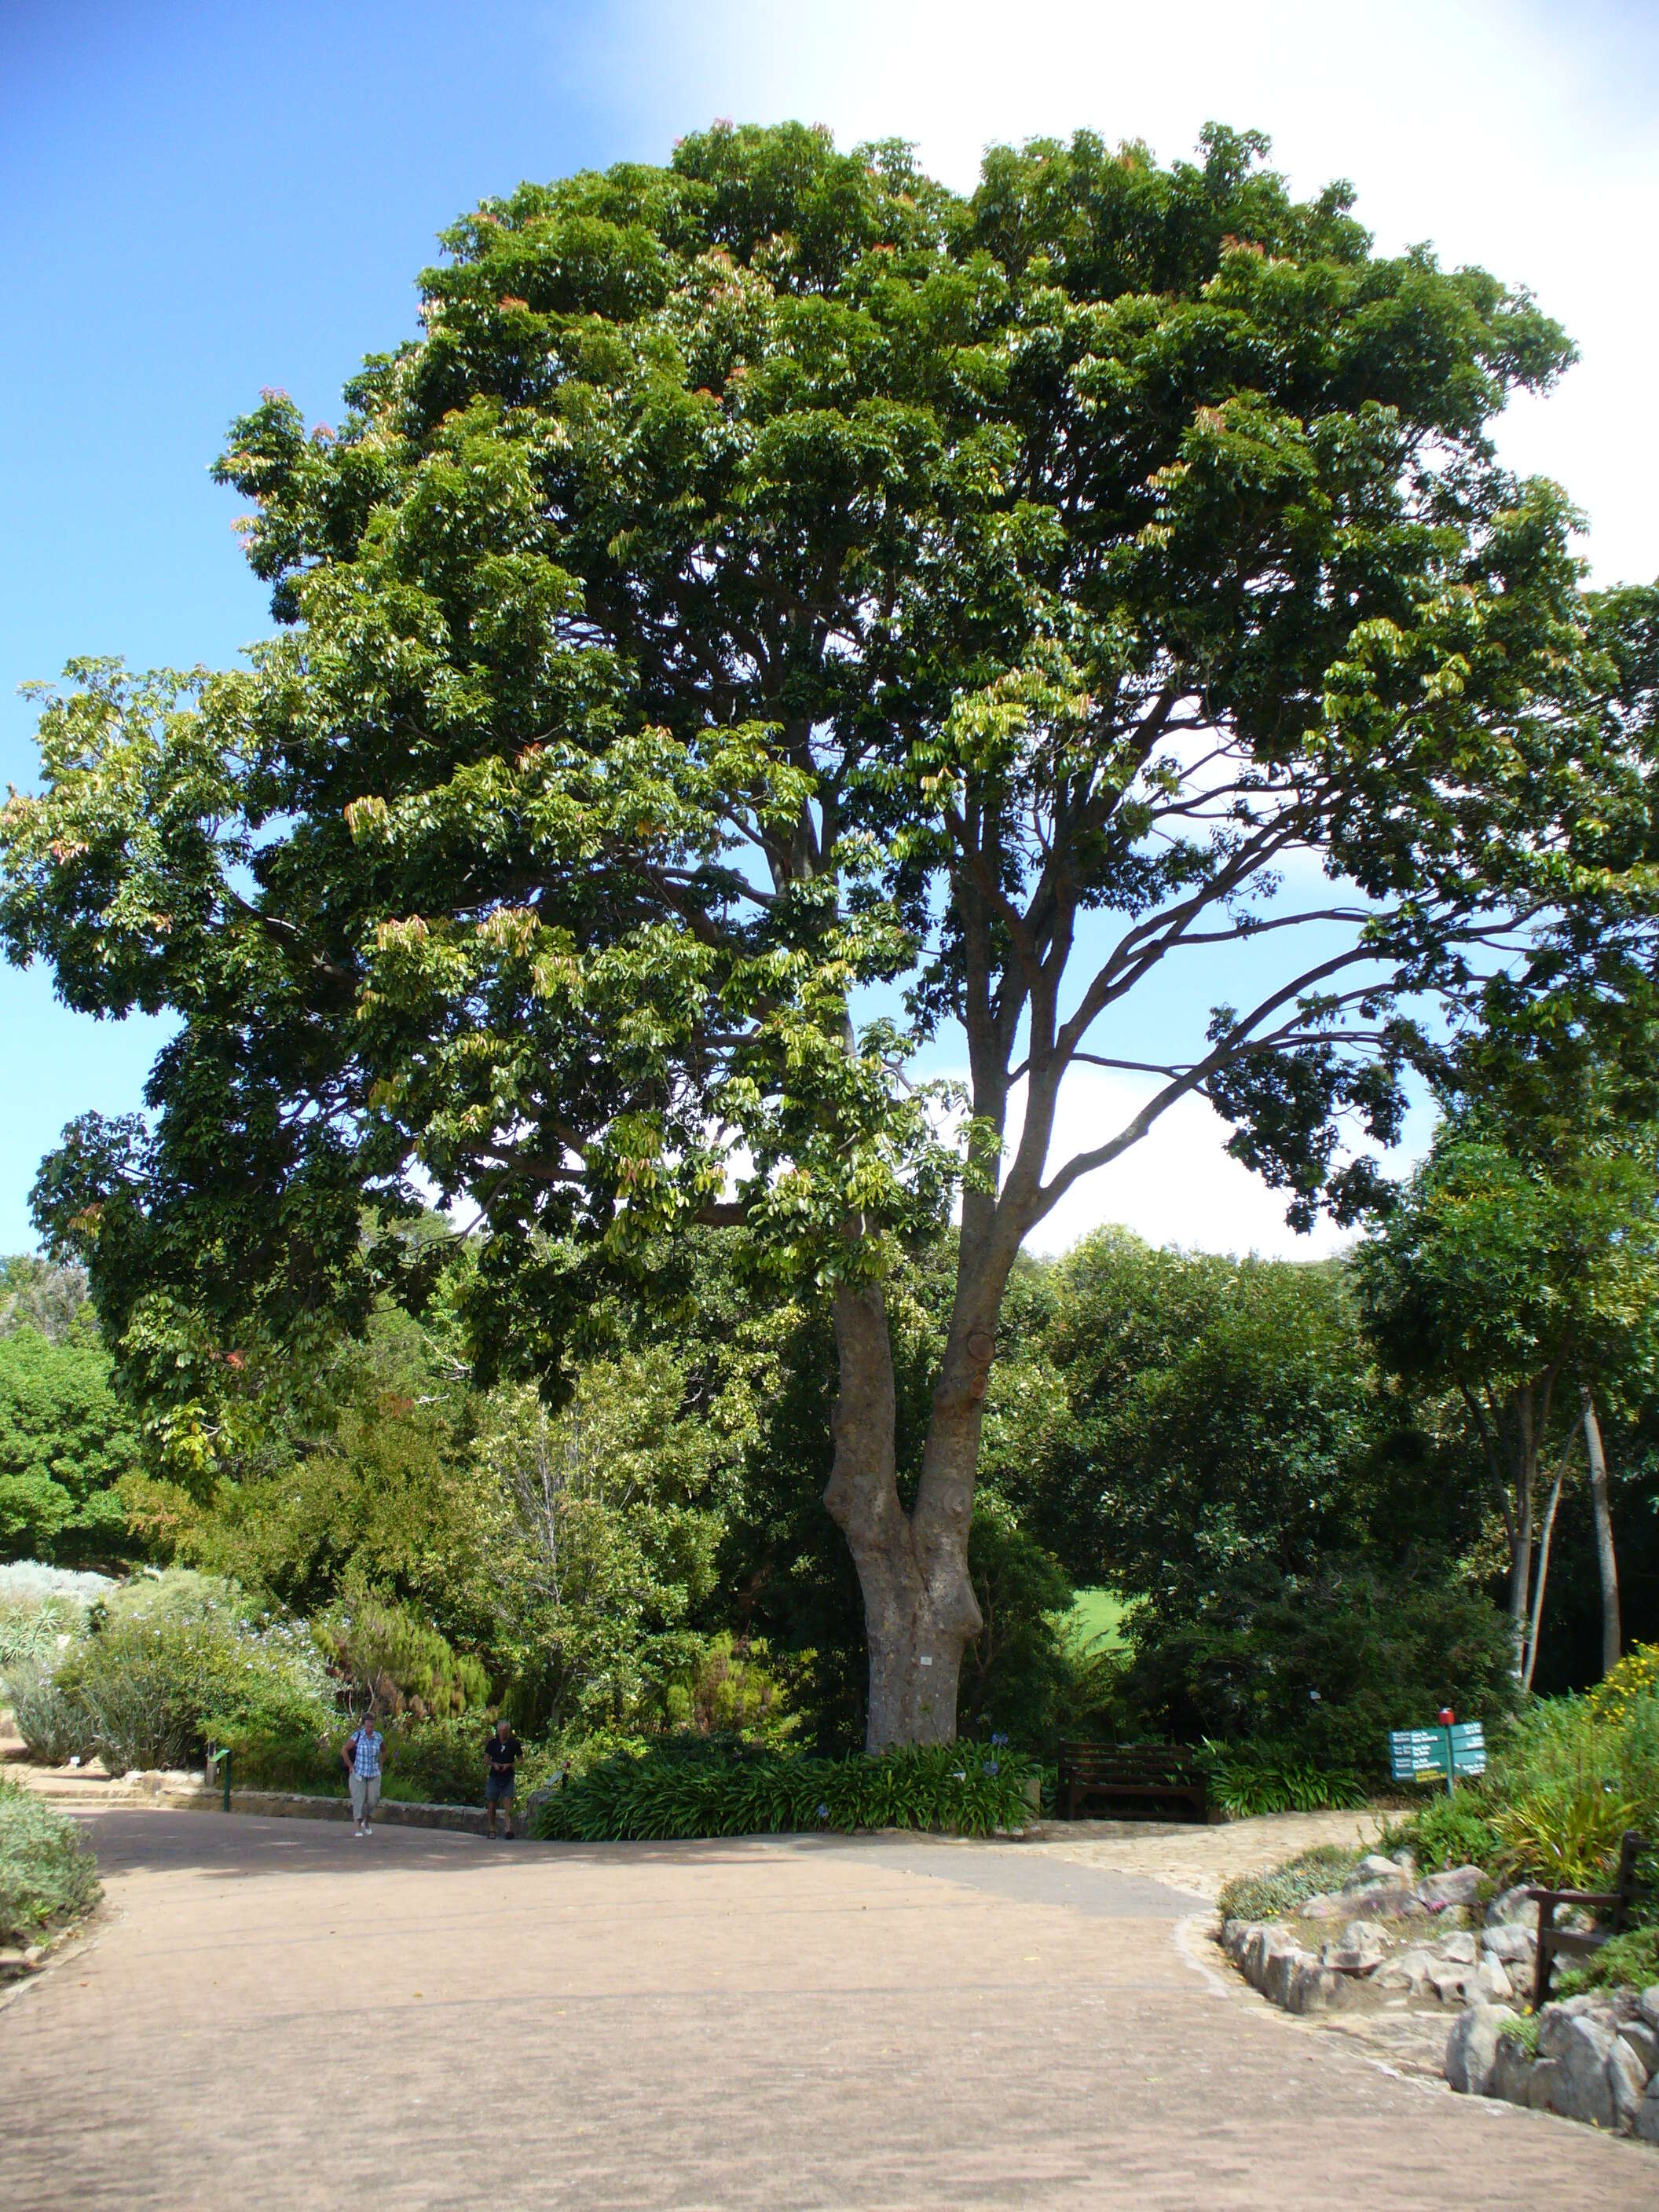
x=368 y=1830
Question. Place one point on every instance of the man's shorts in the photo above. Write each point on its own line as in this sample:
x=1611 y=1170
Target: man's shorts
x=498 y=1789
x=365 y=1793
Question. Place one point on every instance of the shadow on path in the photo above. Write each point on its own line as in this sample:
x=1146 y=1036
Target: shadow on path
x=235 y=1846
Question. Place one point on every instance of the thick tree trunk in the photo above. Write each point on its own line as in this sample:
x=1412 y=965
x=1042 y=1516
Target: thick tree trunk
x=1605 y=1560
x=918 y=1605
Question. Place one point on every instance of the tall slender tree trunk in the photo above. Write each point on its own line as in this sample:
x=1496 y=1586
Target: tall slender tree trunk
x=1523 y=1456
x=1605 y=1560
x=1530 y=1660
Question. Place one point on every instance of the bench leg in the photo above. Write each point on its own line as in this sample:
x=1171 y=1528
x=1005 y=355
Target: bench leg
x=1540 y=1978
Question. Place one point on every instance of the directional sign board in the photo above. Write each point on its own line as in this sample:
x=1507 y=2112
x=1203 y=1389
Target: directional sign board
x=1460 y=1749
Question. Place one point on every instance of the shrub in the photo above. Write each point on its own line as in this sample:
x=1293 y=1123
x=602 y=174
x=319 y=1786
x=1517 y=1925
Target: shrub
x=172 y=1663
x=41 y=1609
x=46 y=1879
x=1448 y=1831
x=1567 y=1782
x=1327 y=1665
x=684 y=1787
x=732 y=1689
x=1615 y=1701
x=1626 y=1961
x=1249 y=1778
x=1268 y=1896
x=385 y=1654
x=52 y=1724
x=425 y=1762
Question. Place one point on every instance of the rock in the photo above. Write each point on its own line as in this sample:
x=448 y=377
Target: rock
x=1373 y=1868
x=1491 y=1984
x=1313 y=1988
x=1457 y=1886
x=1541 y=2082
x=1646 y=2123
x=1647 y=2006
x=1600 y=2006
x=1235 y=1934
x=1627 y=2079
x=1459 y=1948
x=1383 y=1902
x=1513 y=1905
x=1361 y=1946
x=1323 y=1906
x=1451 y=1983
x=1279 y=1960
x=1643 y=2041
x=1407 y=1865
x=1511 y=2071
x=1405 y=1970
x=1510 y=1941
x=1573 y=2053
x=1472 y=2049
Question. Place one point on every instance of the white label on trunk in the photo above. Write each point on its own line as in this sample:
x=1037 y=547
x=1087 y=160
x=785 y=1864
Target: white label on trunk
x=924 y=1661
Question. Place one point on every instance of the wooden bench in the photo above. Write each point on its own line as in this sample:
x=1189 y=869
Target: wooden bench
x=1618 y=1903
x=1126 y=1774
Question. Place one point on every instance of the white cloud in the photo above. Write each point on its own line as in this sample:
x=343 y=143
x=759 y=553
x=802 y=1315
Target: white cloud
x=1512 y=134
x=1179 y=1185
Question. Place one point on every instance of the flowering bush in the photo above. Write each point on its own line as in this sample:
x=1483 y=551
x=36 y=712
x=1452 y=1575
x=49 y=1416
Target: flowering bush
x=168 y=1665
x=1613 y=1700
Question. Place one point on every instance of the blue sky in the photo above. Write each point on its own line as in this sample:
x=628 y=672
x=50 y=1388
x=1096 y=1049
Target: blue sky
x=205 y=199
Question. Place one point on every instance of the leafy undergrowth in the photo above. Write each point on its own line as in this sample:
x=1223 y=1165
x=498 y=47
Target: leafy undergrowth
x=426 y=1763
x=677 y=1791
x=1446 y=1832
x=46 y=1879
x=1523 y=2030
x=1270 y=1896
x=1626 y=1961
x=1250 y=1778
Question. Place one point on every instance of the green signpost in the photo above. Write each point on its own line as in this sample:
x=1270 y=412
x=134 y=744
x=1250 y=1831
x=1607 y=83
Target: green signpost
x=1454 y=1747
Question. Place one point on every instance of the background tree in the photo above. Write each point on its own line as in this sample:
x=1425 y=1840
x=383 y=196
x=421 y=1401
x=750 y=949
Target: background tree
x=49 y=1299
x=67 y=1444
x=771 y=576
x=1524 y=1289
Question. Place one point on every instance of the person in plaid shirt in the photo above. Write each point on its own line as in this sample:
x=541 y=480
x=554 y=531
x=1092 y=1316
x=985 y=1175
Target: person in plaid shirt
x=362 y=1756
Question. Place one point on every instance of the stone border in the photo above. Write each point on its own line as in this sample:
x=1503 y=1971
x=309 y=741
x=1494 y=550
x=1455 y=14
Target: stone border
x=1597 y=2060
x=302 y=1805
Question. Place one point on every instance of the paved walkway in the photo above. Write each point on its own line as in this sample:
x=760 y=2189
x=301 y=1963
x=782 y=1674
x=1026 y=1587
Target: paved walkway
x=273 y=2015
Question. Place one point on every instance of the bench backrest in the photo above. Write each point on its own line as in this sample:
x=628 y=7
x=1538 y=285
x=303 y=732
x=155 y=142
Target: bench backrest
x=1106 y=1762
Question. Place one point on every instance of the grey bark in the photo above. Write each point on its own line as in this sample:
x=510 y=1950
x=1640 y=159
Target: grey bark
x=918 y=1605
x=1529 y=1658
x=1606 y=1560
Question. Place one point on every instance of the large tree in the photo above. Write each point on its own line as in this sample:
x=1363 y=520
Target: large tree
x=772 y=579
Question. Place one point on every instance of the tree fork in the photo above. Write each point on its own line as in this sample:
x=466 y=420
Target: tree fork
x=918 y=1605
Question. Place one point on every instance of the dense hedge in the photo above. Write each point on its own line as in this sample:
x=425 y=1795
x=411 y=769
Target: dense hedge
x=671 y=1790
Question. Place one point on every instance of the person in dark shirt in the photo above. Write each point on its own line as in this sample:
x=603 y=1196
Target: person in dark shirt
x=502 y=1751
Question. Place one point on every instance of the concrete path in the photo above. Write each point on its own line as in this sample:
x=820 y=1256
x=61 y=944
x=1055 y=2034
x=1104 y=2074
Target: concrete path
x=273 y=2015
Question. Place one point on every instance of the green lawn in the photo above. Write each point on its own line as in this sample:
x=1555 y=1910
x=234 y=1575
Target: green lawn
x=1096 y=1618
